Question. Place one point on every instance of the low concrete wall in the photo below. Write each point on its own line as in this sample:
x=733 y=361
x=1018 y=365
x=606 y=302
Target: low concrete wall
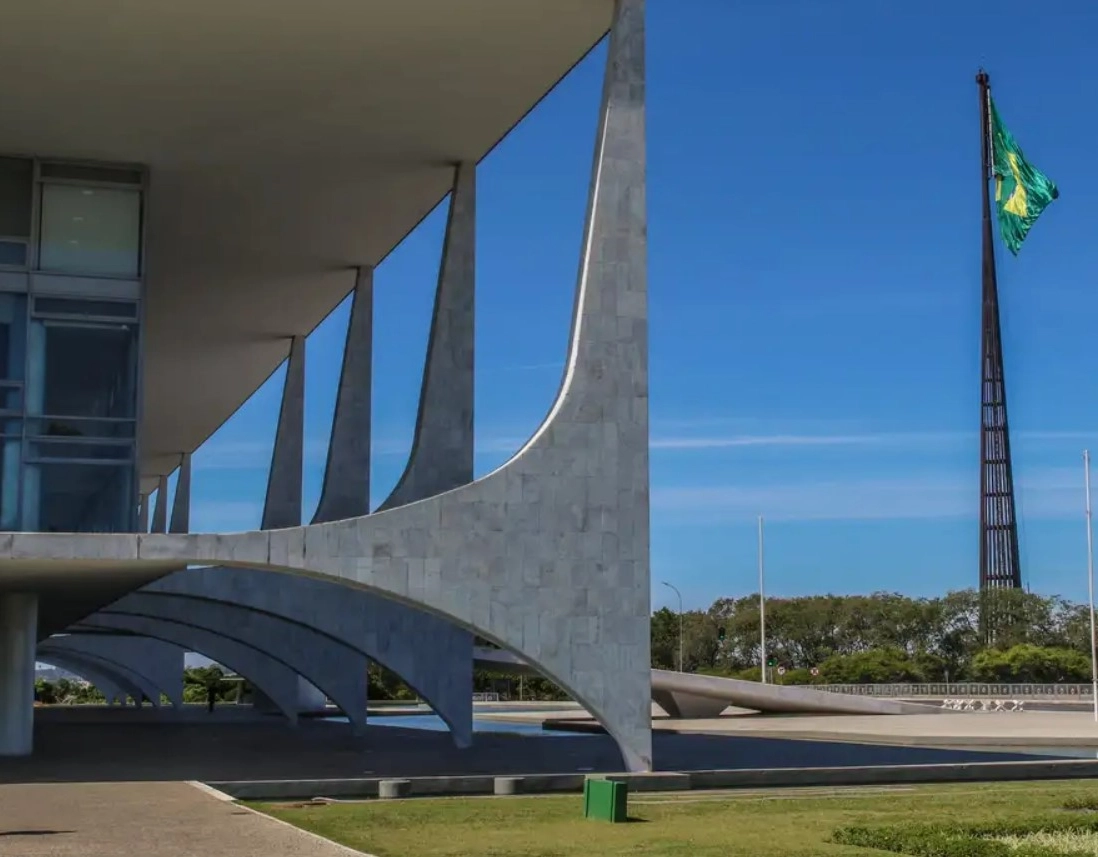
x=1041 y=769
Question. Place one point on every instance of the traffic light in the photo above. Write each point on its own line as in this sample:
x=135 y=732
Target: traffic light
x=720 y=633
x=771 y=661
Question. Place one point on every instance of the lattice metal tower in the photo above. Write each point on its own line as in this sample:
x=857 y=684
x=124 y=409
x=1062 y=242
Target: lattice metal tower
x=1000 y=567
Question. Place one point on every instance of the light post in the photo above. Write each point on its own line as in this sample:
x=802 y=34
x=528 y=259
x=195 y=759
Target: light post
x=1090 y=586
x=762 y=607
x=676 y=591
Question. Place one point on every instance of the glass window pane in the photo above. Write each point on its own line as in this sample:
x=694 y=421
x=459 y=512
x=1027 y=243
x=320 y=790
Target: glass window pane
x=83 y=308
x=16 y=189
x=13 y=253
x=78 y=498
x=80 y=427
x=62 y=449
x=90 y=230
x=13 y=337
x=81 y=371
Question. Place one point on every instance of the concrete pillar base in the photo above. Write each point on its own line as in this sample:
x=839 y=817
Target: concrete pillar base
x=18 y=641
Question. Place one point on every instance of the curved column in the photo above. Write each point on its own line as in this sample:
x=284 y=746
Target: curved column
x=341 y=669
x=159 y=662
x=282 y=507
x=160 y=508
x=441 y=457
x=548 y=555
x=274 y=679
x=442 y=447
x=111 y=686
x=345 y=492
x=439 y=671
x=181 y=503
x=133 y=683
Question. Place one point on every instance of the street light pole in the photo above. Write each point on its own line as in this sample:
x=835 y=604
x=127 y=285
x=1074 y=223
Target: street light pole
x=1090 y=587
x=762 y=606
x=676 y=591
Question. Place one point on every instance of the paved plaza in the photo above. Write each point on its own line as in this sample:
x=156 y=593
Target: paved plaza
x=978 y=729
x=146 y=819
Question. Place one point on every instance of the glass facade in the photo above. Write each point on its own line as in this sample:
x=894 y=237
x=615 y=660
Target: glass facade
x=70 y=268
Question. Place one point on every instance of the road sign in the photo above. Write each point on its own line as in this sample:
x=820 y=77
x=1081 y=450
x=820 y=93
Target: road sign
x=781 y=670
x=815 y=670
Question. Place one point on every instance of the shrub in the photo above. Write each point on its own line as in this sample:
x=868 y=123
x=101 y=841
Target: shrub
x=965 y=840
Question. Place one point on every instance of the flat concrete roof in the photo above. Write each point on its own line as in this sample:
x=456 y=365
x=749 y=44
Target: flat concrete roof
x=286 y=140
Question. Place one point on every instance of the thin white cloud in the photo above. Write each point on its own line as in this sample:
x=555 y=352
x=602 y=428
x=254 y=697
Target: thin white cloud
x=789 y=440
x=1044 y=493
x=882 y=439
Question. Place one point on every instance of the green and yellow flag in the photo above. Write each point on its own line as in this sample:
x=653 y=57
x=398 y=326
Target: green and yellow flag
x=1021 y=190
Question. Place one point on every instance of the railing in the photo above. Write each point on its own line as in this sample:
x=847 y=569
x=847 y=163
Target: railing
x=962 y=690
x=485 y=697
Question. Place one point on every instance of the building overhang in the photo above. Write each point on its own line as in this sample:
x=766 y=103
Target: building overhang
x=286 y=142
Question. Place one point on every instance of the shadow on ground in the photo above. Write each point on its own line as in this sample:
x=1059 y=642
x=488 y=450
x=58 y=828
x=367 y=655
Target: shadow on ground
x=113 y=745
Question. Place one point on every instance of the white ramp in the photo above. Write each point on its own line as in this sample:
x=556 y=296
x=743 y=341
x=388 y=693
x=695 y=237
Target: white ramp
x=691 y=696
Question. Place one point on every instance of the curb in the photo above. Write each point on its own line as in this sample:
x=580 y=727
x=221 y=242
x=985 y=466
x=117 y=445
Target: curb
x=1041 y=769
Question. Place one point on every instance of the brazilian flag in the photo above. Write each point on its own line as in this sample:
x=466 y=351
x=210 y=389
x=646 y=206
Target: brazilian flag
x=1021 y=190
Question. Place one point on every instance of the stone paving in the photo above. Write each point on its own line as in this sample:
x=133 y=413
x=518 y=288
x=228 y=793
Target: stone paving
x=145 y=819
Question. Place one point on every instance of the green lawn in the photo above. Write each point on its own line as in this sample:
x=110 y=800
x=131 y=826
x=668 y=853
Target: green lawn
x=691 y=824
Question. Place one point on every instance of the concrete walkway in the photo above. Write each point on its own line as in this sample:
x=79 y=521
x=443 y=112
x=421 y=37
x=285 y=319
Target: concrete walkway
x=983 y=729
x=146 y=819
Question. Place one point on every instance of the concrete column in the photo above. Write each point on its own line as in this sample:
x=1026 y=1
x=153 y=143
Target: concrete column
x=282 y=507
x=18 y=641
x=181 y=505
x=442 y=449
x=346 y=490
x=160 y=510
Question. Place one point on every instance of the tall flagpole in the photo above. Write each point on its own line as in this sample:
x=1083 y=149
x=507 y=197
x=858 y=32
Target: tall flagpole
x=1090 y=587
x=762 y=606
x=1000 y=566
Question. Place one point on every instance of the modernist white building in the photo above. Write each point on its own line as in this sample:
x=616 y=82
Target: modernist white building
x=186 y=190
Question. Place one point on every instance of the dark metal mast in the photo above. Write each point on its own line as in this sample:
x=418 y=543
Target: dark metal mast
x=999 y=563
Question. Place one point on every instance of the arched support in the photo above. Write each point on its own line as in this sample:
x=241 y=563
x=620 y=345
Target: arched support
x=548 y=555
x=273 y=678
x=160 y=663
x=338 y=670
x=134 y=684
x=111 y=686
x=377 y=627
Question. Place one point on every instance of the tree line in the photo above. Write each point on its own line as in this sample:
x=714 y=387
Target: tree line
x=826 y=639
x=882 y=637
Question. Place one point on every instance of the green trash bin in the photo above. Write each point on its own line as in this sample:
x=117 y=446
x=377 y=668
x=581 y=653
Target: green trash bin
x=605 y=800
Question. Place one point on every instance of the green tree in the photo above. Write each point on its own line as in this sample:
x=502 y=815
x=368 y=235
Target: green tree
x=1028 y=663
x=198 y=682
x=875 y=666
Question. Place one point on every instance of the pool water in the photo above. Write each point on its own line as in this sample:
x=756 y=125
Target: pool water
x=434 y=723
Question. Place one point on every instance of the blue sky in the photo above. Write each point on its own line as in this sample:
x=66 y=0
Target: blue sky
x=814 y=296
